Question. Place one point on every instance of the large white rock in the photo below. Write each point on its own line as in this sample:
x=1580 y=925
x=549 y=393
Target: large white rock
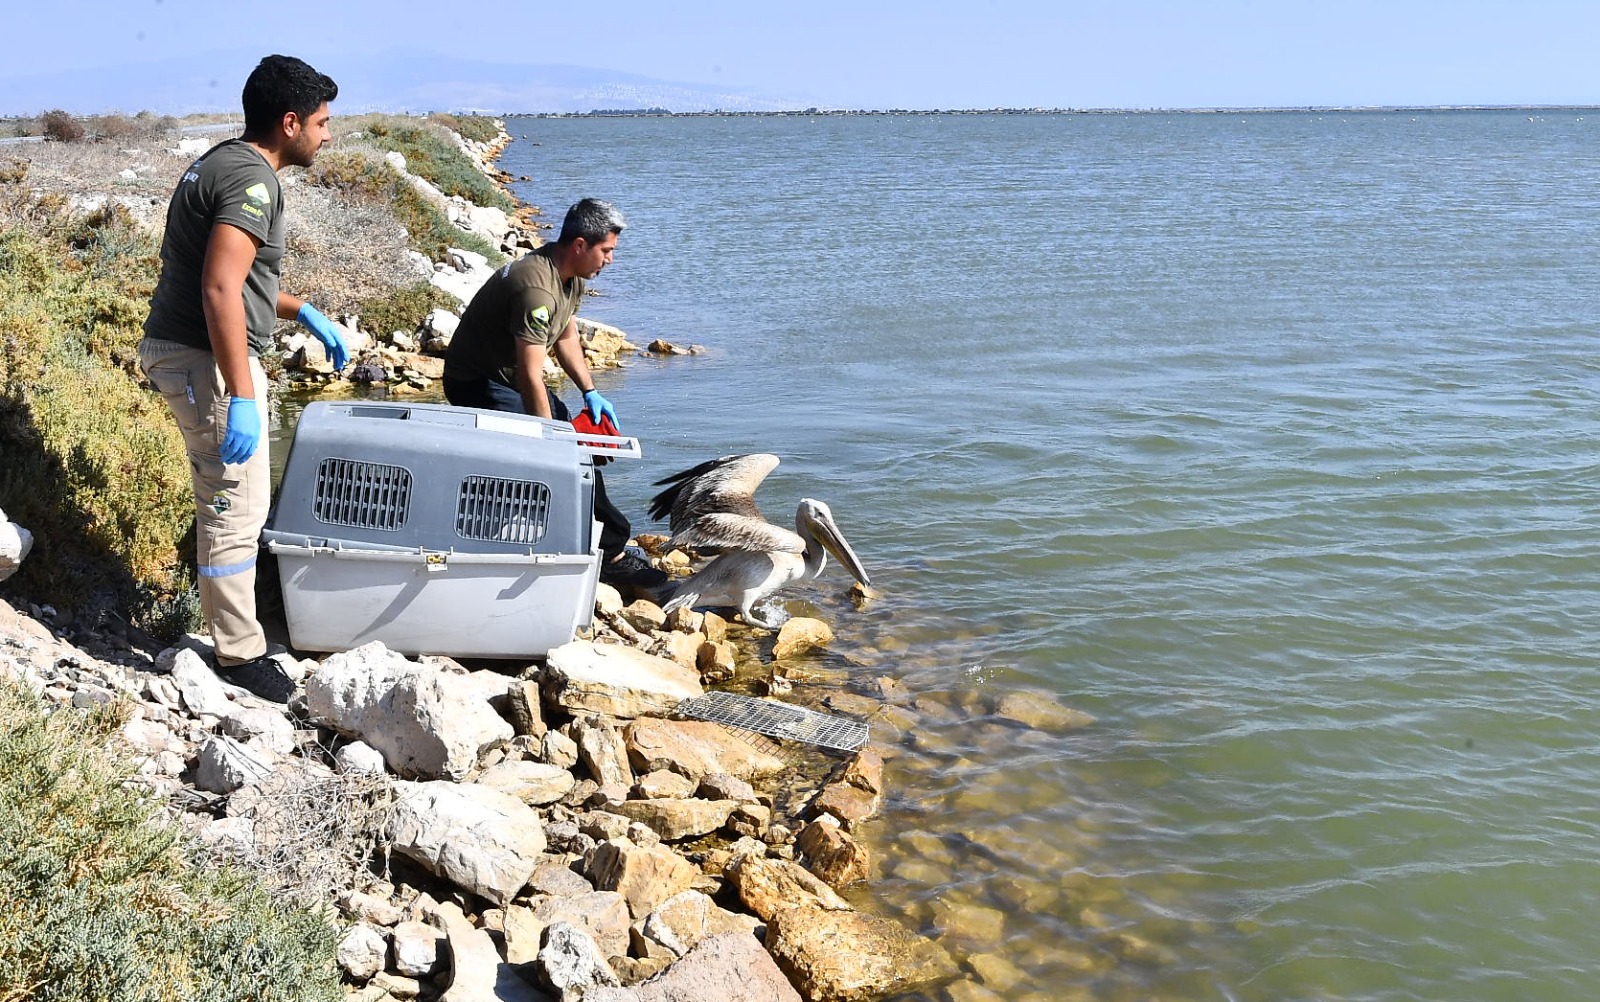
x=417 y=947
x=203 y=692
x=461 y=284
x=479 y=839
x=534 y=783
x=570 y=962
x=227 y=764
x=442 y=322
x=477 y=973
x=425 y=723
x=362 y=951
x=261 y=728
x=15 y=543
x=617 y=681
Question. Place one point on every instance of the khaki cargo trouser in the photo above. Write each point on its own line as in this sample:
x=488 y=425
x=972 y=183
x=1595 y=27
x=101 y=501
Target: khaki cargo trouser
x=230 y=500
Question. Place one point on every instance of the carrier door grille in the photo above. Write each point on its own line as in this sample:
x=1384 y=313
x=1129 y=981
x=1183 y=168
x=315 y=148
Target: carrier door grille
x=504 y=511
x=364 y=495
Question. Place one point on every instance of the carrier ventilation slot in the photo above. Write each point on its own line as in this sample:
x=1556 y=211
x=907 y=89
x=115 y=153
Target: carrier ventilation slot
x=364 y=495
x=502 y=511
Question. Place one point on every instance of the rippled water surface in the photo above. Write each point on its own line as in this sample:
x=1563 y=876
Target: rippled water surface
x=1266 y=439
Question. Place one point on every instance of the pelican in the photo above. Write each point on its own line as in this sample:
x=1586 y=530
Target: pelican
x=712 y=507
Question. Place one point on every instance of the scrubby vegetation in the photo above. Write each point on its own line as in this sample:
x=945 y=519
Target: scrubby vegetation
x=98 y=901
x=364 y=177
x=403 y=309
x=435 y=157
x=477 y=128
x=88 y=460
x=60 y=126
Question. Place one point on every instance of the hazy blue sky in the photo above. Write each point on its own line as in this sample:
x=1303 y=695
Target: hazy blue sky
x=1115 y=53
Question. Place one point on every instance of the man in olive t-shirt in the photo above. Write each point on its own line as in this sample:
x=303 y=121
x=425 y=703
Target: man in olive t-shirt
x=523 y=312
x=211 y=317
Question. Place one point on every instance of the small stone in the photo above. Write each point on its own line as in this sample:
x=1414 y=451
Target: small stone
x=801 y=634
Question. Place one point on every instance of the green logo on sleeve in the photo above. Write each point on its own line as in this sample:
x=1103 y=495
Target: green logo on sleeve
x=258 y=193
x=539 y=319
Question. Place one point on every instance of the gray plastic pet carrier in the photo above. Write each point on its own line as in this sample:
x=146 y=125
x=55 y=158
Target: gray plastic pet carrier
x=438 y=530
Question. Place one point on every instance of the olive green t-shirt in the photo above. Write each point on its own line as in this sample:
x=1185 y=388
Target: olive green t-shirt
x=524 y=301
x=232 y=183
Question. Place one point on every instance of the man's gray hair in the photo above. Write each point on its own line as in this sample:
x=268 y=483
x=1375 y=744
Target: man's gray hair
x=591 y=219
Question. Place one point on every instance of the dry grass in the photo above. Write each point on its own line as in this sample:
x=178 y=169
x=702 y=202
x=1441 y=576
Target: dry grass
x=342 y=252
x=315 y=833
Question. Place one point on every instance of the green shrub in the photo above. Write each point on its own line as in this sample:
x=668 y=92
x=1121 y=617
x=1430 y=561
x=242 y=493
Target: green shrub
x=404 y=309
x=477 y=128
x=370 y=179
x=90 y=461
x=98 y=900
x=429 y=154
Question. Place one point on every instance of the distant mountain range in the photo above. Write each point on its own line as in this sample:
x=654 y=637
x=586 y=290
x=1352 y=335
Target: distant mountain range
x=398 y=80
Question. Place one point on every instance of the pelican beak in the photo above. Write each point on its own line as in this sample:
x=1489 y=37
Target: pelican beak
x=833 y=541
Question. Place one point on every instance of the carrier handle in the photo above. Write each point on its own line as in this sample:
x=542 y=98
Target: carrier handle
x=608 y=446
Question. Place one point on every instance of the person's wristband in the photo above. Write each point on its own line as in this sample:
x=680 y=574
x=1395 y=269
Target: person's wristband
x=584 y=393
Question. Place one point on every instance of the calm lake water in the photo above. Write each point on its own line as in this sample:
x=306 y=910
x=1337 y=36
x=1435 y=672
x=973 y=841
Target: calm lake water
x=1266 y=439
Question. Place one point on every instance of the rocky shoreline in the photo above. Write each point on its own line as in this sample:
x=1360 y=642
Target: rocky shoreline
x=553 y=833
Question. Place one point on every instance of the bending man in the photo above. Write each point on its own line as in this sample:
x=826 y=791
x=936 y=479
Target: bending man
x=524 y=311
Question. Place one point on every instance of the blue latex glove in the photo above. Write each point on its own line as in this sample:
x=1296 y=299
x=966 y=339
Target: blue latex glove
x=599 y=405
x=325 y=332
x=244 y=430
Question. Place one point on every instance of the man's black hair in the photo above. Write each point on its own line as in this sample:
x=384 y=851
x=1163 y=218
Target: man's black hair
x=279 y=85
x=591 y=219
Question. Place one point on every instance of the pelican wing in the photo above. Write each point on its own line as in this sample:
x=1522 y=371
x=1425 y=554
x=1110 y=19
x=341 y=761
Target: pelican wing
x=728 y=530
x=725 y=485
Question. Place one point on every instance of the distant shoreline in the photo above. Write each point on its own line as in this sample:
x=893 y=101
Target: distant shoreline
x=879 y=113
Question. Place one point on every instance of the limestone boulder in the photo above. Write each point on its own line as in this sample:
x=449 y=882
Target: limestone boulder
x=727 y=966
x=203 y=692
x=522 y=705
x=645 y=876
x=833 y=855
x=675 y=819
x=570 y=963
x=768 y=885
x=533 y=783
x=601 y=914
x=696 y=748
x=227 y=764
x=682 y=922
x=602 y=752
x=846 y=956
x=850 y=804
x=418 y=949
x=427 y=724
x=1040 y=711
x=478 y=838
x=15 y=545
x=359 y=758
x=261 y=728
x=362 y=951
x=801 y=634
x=616 y=681
x=477 y=974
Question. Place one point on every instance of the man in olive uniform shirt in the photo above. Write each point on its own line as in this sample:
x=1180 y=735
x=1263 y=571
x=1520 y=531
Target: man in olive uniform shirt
x=524 y=311
x=211 y=318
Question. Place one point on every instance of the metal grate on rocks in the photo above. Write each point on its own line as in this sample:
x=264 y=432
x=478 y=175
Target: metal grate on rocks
x=772 y=719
